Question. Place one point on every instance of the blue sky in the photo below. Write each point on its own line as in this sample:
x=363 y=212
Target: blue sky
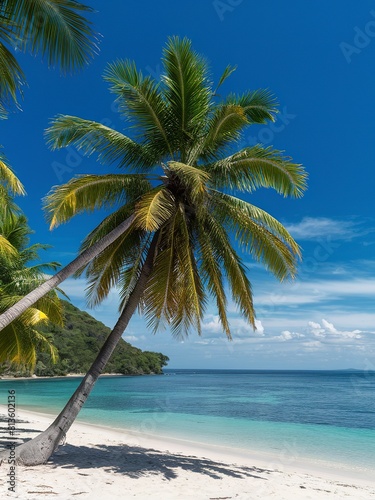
x=318 y=58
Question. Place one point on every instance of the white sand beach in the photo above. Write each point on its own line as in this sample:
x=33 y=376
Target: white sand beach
x=98 y=462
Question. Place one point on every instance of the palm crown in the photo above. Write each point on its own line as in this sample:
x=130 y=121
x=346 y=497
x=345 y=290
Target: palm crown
x=180 y=192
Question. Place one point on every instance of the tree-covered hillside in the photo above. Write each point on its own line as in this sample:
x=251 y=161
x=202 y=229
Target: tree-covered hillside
x=79 y=341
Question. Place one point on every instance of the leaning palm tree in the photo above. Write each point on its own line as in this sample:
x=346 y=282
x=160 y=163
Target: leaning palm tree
x=52 y=28
x=180 y=223
x=21 y=340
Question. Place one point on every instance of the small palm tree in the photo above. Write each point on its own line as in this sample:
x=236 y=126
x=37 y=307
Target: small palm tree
x=176 y=212
x=53 y=28
x=20 y=341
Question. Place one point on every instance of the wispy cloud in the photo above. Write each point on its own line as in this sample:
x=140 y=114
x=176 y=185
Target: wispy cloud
x=315 y=291
x=313 y=228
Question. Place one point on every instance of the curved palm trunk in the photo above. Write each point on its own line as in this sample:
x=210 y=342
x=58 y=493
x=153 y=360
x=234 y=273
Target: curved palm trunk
x=38 y=450
x=82 y=259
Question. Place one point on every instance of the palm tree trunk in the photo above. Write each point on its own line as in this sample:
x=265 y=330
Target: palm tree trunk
x=38 y=450
x=82 y=259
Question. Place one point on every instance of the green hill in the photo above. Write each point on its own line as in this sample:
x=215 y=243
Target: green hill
x=79 y=341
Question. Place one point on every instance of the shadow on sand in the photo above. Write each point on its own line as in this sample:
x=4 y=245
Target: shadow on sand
x=136 y=462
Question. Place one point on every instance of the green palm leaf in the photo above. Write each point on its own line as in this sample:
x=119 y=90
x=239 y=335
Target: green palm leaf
x=234 y=269
x=160 y=296
x=105 y=270
x=191 y=179
x=256 y=167
x=19 y=346
x=11 y=80
x=92 y=137
x=188 y=92
x=211 y=262
x=54 y=28
x=259 y=233
x=89 y=192
x=140 y=100
x=154 y=208
x=7 y=176
x=226 y=73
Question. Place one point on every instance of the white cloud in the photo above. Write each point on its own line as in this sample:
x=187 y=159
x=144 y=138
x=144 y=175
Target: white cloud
x=287 y=335
x=312 y=228
x=312 y=345
x=211 y=325
x=327 y=332
x=259 y=327
x=315 y=291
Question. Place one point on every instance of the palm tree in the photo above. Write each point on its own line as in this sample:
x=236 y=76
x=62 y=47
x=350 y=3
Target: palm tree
x=182 y=225
x=53 y=28
x=20 y=341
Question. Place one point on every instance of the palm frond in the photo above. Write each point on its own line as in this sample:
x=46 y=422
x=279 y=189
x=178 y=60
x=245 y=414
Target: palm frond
x=86 y=193
x=11 y=80
x=106 y=226
x=160 y=296
x=154 y=208
x=226 y=73
x=19 y=345
x=256 y=167
x=187 y=89
x=92 y=137
x=211 y=262
x=259 y=106
x=224 y=127
x=233 y=267
x=7 y=176
x=192 y=179
x=133 y=263
x=7 y=250
x=259 y=234
x=52 y=307
x=54 y=28
x=140 y=100
x=105 y=270
x=191 y=299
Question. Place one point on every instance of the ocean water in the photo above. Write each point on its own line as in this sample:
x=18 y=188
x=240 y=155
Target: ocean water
x=320 y=416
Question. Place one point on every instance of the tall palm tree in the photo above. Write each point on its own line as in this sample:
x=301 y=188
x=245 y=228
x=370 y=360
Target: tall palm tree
x=182 y=223
x=20 y=341
x=53 y=28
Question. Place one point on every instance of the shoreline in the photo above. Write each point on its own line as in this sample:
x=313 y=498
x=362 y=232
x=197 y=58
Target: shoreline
x=72 y=375
x=96 y=453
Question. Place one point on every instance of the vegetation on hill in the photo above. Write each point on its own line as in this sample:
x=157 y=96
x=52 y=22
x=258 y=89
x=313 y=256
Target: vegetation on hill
x=79 y=341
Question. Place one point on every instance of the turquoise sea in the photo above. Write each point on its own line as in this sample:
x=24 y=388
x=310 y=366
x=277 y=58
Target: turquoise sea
x=323 y=417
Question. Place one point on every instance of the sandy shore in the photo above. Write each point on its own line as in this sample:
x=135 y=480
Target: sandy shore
x=98 y=462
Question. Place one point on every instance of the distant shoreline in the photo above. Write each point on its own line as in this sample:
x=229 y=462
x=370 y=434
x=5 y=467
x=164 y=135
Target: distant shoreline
x=68 y=375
